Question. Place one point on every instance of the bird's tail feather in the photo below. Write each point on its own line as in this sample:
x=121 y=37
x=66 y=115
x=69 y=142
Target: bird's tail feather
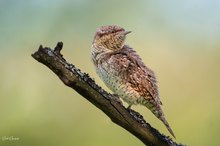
x=163 y=119
x=157 y=111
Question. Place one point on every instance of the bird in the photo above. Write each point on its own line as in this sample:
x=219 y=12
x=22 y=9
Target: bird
x=123 y=71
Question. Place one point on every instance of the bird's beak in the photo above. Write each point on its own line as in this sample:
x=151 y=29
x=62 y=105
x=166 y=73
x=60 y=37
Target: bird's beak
x=127 y=32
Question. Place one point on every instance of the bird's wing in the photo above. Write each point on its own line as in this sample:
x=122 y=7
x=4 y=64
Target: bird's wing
x=141 y=78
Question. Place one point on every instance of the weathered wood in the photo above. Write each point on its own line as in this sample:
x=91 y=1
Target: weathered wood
x=71 y=76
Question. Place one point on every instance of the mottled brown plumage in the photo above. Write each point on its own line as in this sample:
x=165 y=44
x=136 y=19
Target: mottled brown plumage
x=123 y=71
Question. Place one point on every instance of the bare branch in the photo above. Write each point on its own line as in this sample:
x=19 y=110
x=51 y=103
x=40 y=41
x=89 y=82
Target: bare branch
x=71 y=76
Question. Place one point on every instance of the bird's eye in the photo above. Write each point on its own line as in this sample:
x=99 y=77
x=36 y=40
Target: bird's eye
x=120 y=37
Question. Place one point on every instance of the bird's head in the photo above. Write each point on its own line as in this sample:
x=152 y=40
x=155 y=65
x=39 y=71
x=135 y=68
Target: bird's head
x=110 y=37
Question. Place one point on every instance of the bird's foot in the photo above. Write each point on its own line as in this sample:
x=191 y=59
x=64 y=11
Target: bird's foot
x=129 y=107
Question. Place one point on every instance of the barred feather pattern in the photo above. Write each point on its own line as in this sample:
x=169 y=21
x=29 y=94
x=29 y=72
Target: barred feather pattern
x=123 y=72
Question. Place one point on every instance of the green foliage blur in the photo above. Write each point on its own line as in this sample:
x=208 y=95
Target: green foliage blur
x=179 y=40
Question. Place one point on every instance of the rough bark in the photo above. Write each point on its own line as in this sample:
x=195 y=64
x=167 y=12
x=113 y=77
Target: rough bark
x=71 y=76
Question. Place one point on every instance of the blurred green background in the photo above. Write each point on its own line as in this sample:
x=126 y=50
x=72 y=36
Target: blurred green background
x=179 y=40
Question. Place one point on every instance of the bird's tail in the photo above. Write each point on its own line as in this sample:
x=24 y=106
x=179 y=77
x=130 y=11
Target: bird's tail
x=163 y=119
x=160 y=115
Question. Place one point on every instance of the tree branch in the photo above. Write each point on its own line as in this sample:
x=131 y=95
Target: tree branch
x=71 y=76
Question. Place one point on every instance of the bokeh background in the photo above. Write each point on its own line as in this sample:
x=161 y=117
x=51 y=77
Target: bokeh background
x=179 y=40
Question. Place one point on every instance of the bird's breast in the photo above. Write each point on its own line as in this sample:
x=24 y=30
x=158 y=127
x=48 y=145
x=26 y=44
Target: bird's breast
x=114 y=79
